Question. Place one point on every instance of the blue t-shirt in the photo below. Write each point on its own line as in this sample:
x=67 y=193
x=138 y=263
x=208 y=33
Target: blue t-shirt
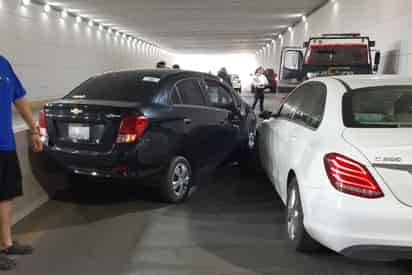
x=10 y=90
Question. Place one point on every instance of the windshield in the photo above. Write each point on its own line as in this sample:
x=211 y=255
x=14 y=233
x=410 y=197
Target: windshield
x=378 y=107
x=117 y=87
x=337 y=54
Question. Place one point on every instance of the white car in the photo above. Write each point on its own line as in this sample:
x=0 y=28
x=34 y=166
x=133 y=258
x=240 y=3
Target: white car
x=339 y=153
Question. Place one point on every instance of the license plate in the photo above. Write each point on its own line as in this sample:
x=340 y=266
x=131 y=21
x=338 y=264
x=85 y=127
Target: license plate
x=79 y=132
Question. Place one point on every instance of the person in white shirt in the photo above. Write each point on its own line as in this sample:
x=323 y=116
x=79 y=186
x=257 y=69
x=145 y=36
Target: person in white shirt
x=260 y=82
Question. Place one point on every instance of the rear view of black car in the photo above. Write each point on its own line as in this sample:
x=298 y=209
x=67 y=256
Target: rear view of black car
x=136 y=124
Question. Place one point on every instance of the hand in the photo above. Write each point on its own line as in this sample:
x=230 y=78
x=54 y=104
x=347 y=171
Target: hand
x=37 y=145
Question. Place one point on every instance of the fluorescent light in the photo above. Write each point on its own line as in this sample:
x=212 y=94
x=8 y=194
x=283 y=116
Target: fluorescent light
x=290 y=29
x=78 y=19
x=304 y=18
x=26 y=2
x=64 y=14
x=91 y=24
x=280 y=36
x=47 y=8
x=100 y=27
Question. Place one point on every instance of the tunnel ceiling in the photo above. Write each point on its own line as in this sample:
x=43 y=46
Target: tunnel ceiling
x=198 y=26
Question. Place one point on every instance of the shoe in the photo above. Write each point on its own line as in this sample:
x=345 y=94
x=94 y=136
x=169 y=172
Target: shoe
x=18 y=249
x=7 y=264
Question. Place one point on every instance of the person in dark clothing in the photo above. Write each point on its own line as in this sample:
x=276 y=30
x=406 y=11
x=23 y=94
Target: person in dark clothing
x=12 y=93
x=225 y=76
x=259 y=82
x=161 y=65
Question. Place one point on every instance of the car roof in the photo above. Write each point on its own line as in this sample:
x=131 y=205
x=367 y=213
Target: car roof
x=364 y=81
x=156 y=73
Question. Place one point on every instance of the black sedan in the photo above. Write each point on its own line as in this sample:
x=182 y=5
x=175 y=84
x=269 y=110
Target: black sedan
x=135 y=124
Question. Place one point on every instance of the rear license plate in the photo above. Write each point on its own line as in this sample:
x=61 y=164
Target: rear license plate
x=79 y=132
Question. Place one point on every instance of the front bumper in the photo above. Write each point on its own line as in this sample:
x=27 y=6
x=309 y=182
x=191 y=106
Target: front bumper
x=378 y=229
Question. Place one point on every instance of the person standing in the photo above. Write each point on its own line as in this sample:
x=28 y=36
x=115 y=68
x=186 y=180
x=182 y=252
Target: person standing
x=225 y=76
x=161 y=65
x=260 y=82
x=12 y=92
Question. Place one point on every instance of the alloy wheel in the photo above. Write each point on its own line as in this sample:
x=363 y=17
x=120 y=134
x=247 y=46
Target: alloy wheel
x=251 y=140
x=293 y=214
x=181 y=179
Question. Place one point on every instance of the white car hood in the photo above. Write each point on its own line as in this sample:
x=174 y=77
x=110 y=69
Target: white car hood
x=389 y=150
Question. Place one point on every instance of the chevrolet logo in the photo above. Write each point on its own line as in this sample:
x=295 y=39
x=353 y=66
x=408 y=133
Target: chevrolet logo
x=76 y=111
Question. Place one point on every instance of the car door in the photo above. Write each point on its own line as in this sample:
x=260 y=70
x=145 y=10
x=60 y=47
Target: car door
x=190 y=106
x=307 y=118
x=299 y=134
x=283 y=131
x=227 y=116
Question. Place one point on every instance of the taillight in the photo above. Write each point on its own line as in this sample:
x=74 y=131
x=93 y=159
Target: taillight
x=351 y=177
x=42 y=124
x=131 y=128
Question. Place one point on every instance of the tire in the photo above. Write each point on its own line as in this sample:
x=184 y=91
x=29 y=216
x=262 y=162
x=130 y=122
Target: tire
x=176 y=183
x=297 y=234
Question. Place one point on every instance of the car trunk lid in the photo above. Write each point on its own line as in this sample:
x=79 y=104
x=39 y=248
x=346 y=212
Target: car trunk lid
x=90 y=125
x=389 y=150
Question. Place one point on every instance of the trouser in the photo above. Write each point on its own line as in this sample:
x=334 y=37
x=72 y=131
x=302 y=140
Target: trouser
x=259 y=96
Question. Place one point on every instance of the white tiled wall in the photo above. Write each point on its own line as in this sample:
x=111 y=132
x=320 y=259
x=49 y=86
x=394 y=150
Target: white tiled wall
x=387 y=22
x=52 y=55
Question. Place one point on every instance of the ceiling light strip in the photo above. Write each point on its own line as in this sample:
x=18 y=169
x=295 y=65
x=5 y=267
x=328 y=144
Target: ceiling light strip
x=66 y=13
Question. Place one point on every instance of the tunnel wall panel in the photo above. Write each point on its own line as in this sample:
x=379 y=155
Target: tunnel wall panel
x=51 y=55
x=42 y=178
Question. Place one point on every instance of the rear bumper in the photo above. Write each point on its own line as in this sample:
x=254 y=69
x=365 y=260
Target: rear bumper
x=378 y=229
x=117 y=165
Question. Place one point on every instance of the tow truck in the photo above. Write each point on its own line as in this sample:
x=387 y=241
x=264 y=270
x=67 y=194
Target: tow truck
x=327 y=55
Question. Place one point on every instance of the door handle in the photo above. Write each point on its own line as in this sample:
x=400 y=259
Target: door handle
x=187 y=121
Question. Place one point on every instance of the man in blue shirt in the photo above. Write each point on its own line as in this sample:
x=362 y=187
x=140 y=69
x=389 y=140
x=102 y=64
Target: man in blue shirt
x=11 y=92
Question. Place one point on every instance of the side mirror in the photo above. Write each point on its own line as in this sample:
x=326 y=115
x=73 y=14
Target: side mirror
x=377 y=61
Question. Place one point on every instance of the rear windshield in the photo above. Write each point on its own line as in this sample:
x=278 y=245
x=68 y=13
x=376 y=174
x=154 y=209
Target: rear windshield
x=117 y=87
x=378 y=107
x=326 y=55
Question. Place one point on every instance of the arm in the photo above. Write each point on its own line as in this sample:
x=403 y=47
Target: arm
x=24 y=109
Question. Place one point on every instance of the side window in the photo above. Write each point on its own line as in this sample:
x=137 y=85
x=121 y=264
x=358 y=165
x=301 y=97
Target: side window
x=218 y=95
x=311 y=109
x=289 y=107
x=175 y=97
x=190 y=92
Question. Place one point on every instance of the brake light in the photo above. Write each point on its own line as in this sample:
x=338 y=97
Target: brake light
x=42 y=124
x=131 y=128
x=351 y=177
